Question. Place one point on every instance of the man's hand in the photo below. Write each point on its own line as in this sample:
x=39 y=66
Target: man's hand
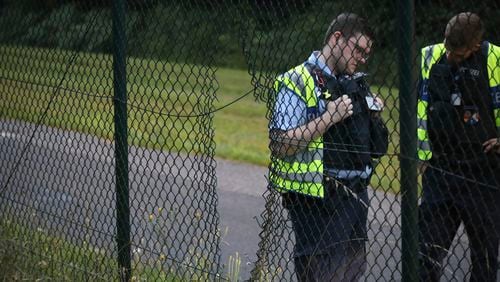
x=492 y=145
x=287 y=143
x=339 y=109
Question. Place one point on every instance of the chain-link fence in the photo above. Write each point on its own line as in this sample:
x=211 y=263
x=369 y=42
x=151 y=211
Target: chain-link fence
x=334 y=229
x=108 y=123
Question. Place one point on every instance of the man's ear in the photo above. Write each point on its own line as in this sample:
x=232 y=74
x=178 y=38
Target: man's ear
x=334 y=38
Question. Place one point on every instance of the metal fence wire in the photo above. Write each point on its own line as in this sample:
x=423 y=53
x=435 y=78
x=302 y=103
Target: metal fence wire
x=383 y=136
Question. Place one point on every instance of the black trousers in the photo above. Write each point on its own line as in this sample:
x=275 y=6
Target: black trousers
x=330 y=233
x=448 y=201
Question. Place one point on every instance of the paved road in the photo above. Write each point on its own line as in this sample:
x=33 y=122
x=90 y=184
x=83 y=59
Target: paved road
x=66 y=185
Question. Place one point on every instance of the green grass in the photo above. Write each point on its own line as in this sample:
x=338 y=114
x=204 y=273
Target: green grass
x=35 y=255
x=158 y=92
x=160 y=87
x=28 y=254
x=386 y=172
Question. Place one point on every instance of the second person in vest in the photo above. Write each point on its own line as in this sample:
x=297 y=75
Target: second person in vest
x=458 y=133
x=325 y=129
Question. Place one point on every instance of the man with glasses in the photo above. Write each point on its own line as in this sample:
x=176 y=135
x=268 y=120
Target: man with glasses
x=459 y=146
x=325 y=129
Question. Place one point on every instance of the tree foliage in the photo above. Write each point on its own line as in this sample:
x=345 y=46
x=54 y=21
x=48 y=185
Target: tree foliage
x=242 y=31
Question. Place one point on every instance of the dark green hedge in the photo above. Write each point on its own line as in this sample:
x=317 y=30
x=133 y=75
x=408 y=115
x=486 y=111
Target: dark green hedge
x=267 y=34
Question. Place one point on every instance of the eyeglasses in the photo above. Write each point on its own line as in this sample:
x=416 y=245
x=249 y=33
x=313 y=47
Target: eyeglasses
x=359 y=51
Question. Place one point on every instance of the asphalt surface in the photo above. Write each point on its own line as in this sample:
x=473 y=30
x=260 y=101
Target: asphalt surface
x=65 y=185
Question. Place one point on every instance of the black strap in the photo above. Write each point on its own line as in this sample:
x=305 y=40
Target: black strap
x=325 y=82
x=484 y=48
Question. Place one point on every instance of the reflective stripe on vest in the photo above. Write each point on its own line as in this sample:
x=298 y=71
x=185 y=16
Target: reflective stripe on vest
x=302 y=172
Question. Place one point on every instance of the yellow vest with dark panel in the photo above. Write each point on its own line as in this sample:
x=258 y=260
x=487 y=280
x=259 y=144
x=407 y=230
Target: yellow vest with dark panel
x=431 y=55
x=303 y=172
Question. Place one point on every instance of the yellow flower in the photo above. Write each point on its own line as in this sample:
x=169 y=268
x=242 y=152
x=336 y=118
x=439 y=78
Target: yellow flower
x=198 y=214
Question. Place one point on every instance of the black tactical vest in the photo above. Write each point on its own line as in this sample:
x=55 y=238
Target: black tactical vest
x=346 y=145
x=460 y=113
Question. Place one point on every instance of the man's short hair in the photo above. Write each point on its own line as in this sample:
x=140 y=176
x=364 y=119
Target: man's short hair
x=463 y=30
x=348 y=24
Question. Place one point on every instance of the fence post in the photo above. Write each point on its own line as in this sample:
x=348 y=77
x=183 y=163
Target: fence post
x=121 y=146
x=408 y=140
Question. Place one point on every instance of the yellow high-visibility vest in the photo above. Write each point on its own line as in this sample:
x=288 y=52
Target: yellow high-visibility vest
x=303 y=172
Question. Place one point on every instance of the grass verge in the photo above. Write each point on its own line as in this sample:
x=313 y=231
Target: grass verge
x=34 y=255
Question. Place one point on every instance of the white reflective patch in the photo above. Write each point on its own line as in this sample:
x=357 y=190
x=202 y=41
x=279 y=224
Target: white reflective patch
x=456 y=99
x=472 y=72
x=496 y=98
x=373 y=104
